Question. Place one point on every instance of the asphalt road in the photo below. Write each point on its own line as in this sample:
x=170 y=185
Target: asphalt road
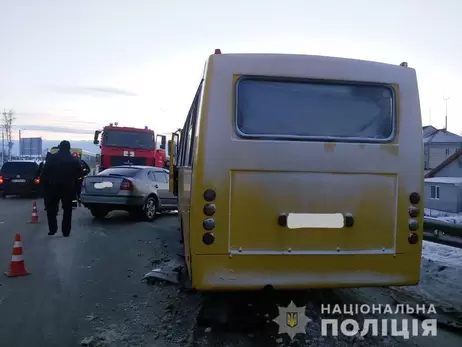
x=86 y=290
x=88 y=285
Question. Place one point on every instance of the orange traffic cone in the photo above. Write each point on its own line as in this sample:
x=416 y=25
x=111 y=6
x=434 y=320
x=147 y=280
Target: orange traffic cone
x=34 y=217
x=17 y=267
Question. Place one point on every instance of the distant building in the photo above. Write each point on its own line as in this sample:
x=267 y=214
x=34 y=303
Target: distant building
x=439 y=144
x=450 y=167
x=443 y=194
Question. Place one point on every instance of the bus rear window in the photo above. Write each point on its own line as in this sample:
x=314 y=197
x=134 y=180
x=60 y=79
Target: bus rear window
x=313 y=110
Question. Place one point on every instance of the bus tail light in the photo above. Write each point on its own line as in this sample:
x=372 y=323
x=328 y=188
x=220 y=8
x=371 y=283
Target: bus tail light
x=209 y=224
x=209 y=195
x=126 y=185
x=413 y=238
x=414 y=212
x=413 y=225
x=208 y=238
x=414 y=198
x=209 y=210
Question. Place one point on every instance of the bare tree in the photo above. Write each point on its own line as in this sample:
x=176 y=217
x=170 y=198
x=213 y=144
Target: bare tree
x=7 y=124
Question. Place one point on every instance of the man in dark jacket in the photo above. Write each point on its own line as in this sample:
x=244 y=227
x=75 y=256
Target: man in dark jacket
x=59 y=175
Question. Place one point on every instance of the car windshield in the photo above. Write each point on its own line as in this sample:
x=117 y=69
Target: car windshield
x=120 y=171
x=129 y=139
x=24 y=168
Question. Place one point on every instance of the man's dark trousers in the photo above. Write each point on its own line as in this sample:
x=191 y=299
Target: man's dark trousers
x=54 y=196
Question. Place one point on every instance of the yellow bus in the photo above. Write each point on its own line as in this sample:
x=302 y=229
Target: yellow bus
x=298 y=171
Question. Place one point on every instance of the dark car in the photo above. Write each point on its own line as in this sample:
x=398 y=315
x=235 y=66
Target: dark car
x=20 y=177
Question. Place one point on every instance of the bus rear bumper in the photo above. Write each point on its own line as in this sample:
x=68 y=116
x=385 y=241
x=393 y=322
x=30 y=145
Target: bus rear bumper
x=250 y=272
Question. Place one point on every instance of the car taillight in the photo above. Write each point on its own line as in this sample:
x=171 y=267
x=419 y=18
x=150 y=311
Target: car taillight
x=414 y=212
x=1 y=179
x=37 y=180
x=126 y=185
x=209 y=223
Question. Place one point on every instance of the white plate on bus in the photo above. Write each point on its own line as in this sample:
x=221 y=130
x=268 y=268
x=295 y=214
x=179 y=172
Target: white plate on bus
x=19 y=181
x=315 y=220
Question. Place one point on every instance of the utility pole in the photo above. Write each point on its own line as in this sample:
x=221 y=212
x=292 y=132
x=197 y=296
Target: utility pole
x=3 y=147
x=446 y=117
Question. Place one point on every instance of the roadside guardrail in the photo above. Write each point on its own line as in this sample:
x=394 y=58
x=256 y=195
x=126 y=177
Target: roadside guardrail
x=442 y=232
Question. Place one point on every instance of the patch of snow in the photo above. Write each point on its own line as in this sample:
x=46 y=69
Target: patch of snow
x=437 y=213
x=443 y=216
x=441 y=272
x=450 y=180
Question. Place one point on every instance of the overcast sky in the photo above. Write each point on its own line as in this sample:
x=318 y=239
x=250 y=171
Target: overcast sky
x=68 y=67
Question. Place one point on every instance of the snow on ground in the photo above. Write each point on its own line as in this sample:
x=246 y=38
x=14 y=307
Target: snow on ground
x=436 y=213
x=454 y=220
x=441 y=277
x=443 y=216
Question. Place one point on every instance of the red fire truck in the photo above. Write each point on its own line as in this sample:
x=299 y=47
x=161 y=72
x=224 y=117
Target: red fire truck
x=130 y=146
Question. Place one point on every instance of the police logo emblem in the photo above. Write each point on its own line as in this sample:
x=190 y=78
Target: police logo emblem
x=292 y=320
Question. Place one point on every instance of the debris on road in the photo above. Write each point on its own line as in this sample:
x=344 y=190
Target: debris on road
x=88 y=341
x=103 y=339
x=167 y=275
x=91 y=317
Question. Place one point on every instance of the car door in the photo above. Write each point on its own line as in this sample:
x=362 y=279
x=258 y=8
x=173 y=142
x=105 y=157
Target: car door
x=155 y=185
x=170 y=198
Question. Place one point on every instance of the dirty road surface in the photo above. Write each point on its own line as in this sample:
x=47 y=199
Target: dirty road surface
x=86 y=290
